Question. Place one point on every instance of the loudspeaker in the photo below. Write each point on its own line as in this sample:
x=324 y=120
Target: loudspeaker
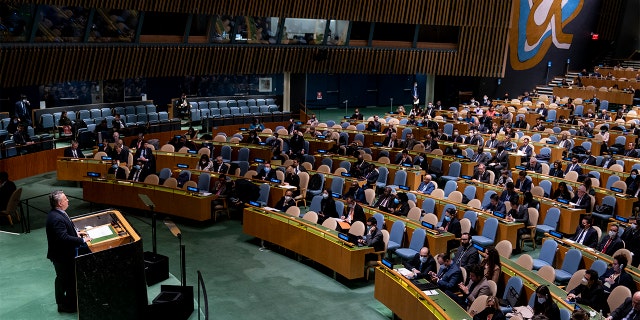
x=173 y=302
x=156 y=268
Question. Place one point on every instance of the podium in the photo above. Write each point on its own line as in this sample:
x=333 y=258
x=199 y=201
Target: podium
x=110 y=279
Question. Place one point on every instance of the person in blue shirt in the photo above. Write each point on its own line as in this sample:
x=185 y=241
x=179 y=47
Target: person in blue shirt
x=449 y=275
x=256 y=125
x=426 y=186
x=495 y=204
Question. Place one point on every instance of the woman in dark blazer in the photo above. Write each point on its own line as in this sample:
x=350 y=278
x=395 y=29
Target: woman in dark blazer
x=327 y=207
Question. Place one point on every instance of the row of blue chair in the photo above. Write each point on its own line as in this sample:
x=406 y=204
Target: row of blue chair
x=231 y=103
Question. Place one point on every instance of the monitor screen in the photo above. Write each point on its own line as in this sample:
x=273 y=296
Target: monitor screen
x=322 y=151
x=387 y=263
x=298 y=122
x=183 y=166
x=520 y=167
x=555 y=234
x=499 y=214
x=177 y=137
x=321 y=137
x=407 y=165
x=106 y=158
x=262 y=143
x=404 y=188
x=259 y=160
x=427 y=225
x=274 y=180
x=565 y=201
x=465 y=177
x=622 y=219
x=343 y=237
x=377 y=144
x=478 y=247
x=192 y=151
x=616 y=189
x=193 y=189
x=336 y=195
x=459 y=156
x=346 y=174
x=243 y=129
x=93 y=174
x=374 y=130
x=254 y=203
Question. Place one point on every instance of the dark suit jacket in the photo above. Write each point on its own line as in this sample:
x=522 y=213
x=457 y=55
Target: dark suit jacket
x=576 y=169
x=453 y=226
x=120 y=174
x=527 y=150
x=396 y=143
x=263 y=175
x=133 y=171
x=424 y=268
x=5 y=193
x=607 y=163
x=613 y=246
x=69 y=154
x=556 y=173
x=374 y=240
x=593 y=297
x=537 y=168
x=624 y=279
x=585 y=203
x=631 y=240
x=623 y=310
x=283 y=205
x=590 y=239
x=590 y=160
x=328 y=208
x=485 y=177
x=505 y=193
x=464 y=258
x=389 y=204
x=523 y=186
x=500 y=207
x=501 y=159
x=372 y=176
x=61 y=237
x=150 y=164
x=225 y=168
x=450 y=277
x=631 y=153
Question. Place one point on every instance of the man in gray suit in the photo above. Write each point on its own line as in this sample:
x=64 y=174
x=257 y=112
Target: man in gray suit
x=476 y=286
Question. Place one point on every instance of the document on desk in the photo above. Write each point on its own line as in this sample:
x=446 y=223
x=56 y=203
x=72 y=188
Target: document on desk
x=430 y=292
x=270 y=209
x=405 y=272
x=99 y=232
x=288 y=187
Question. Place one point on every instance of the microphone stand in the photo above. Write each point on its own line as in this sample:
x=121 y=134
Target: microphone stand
x=147 y=202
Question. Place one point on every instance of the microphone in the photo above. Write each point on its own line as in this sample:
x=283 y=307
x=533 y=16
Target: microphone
x=346 y=101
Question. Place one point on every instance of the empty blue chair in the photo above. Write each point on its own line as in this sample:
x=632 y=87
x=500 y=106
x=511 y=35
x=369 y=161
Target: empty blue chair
x=546 y=186
x=417 y=242
x=383 y=173
x=309 y=158
x=569 y=265
x=454 y=172
x=10 y=148
x=360 y=127
x=596 y=174
x=243 y=154
x=604 y=105
x=96 y=113
x=163 y=115
x=565 y=314
x=551 y=115
x=550 y=221
x=448 y=128
x=203 y=182
x=621 y=140
x=244 y=167
x=473 y=218
x=345 y=164
x=599 y=266
x=579 y=110
x=316 y=204
x=547 y=254
x=336 y=185
x=489 y=231
x=328 y=162
x=429 y=205
x=396 y=236
x=344 y=125
x=611 y=180
x=47 y=122
x=339 y=207
x=344 y=138
x=225 y=152
x=400 y=179
x=470 y=192
x=264 y=194
x=150 y=108
x=451 y=186
x=195 y=115
x=359 y=137
x=141 y=109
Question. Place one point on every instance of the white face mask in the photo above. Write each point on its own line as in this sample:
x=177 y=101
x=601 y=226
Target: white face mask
x=325 y=196
x=423 y=259
x=583 y=281
x=634 y=226
x=287 y=198
x=612 y=234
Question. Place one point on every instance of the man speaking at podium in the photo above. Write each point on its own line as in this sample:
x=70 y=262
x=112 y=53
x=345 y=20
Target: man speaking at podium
x=63 y=240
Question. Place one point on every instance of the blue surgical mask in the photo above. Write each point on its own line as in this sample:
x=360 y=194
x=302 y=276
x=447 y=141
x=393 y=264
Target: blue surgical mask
x=115 y=166
x=423 y=259
x=267 y=169
x=447 y=218
x=137 y=167
x=396 y=201
x=542 y=300
x=633 y=176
